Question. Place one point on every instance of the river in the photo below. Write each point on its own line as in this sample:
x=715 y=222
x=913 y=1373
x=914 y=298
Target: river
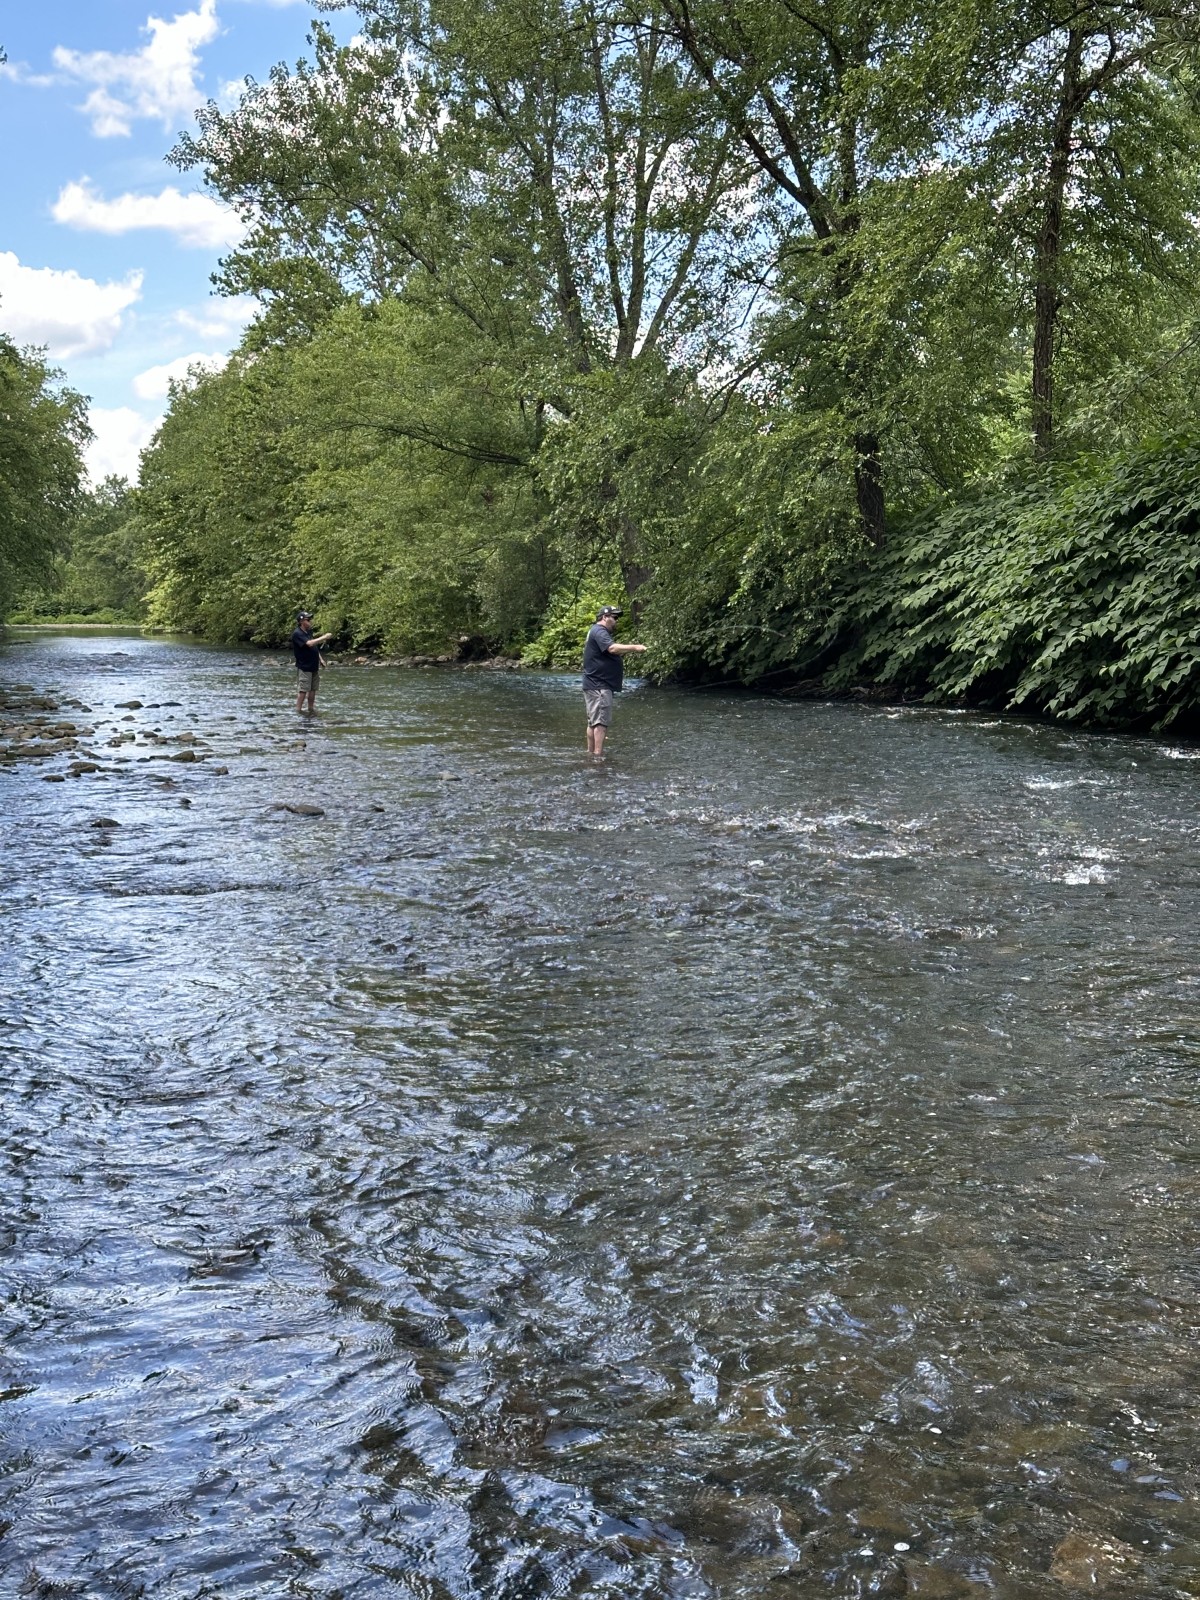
x=766 y=1164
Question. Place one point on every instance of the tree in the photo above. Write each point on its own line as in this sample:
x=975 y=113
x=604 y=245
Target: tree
x=1090 y=154
x=43 y=430
x=553 y=176
x=837 y=102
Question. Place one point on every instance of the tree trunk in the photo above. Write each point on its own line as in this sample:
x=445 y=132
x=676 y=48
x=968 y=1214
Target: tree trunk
x=1047 y=283
x=633 y=572
x=868 y=487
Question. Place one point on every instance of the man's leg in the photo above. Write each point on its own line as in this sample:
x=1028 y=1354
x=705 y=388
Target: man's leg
x=598 y=733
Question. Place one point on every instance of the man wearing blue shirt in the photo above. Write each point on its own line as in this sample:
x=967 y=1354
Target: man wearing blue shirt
x=603 y=672
x=309 y=660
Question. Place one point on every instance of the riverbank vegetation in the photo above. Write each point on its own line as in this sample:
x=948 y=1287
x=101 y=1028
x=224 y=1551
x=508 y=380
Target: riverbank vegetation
x=94 y=571
x=43 y=429
x=854 y=346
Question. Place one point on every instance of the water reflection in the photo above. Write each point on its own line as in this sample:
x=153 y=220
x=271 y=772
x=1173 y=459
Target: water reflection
x=765 y=1165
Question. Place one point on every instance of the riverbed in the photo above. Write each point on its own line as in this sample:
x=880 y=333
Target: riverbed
x=764 y=1164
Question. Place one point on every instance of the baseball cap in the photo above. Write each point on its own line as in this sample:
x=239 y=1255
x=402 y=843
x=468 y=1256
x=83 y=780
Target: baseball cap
x=302 y=616
x=609 y=611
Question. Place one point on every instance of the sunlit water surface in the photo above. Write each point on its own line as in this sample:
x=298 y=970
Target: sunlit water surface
x=765 y=1165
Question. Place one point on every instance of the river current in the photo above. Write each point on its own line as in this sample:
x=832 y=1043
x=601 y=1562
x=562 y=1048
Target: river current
x=766 y=1164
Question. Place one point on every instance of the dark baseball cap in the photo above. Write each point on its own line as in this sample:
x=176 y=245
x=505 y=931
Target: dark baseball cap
x=609 y=611
x=304 y=616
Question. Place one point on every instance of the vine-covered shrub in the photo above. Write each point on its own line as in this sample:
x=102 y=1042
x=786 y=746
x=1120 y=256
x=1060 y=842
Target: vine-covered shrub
x=1072 y=595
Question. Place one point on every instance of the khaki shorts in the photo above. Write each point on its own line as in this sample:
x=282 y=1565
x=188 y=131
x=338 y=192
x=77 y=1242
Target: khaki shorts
x=599 y=704
x=306 y=682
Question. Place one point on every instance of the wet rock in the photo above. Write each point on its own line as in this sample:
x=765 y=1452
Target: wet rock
x=1086 y=1560
x=377 y=807
x=450 y=777
x=891 y=1579
x=302 y=809
x=78 y=769
x=883 y=1522
x=128 y=705
x=220 y=772
x=184 y=755
x=104 y=822
x=53 y=777
x=937 y=1583
x=185 y=802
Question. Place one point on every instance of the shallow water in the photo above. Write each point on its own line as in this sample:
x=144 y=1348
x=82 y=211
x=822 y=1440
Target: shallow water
x=699 y=1176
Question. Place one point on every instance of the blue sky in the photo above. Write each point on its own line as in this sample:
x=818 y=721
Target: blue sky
x=106 y=252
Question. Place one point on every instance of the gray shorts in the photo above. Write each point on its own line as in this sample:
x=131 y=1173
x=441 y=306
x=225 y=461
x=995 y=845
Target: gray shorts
x=599 y=704
x=306 y=682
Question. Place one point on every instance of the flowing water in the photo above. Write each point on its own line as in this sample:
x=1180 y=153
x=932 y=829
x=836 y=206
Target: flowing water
x=764 y=1165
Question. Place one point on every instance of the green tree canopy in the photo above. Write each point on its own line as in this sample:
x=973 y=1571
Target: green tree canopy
x=43 y=430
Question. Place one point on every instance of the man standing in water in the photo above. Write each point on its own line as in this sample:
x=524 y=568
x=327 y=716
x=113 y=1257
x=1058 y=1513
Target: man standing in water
x=603 y=671
x=309 y=660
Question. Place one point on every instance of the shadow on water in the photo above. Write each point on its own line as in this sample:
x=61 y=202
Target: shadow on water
x=765 y=1165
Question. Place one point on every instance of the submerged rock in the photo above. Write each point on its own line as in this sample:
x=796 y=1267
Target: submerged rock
x=1086 y=1560
x=302 y=809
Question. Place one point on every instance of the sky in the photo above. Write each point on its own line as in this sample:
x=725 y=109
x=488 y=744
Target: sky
x=106 y=251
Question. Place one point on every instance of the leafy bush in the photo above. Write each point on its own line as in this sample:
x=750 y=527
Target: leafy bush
x=570 y=615
x=1072 y=594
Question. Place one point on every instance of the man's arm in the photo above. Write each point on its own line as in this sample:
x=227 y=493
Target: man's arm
x=627 y=649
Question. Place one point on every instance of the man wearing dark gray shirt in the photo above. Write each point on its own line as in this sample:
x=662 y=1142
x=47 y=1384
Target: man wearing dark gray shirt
x=603 y=671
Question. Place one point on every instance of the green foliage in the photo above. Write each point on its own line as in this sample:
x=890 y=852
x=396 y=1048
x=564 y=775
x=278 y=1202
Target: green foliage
x=98 y=575
x=712 y=301
x=569 y=616
x=42 y=434
x=218 y=493
x=373 y=470
x=1073 y=594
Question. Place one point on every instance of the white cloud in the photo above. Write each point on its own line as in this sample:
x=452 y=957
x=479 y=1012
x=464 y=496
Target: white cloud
x=22 y=72
x=155 y=382
x=72 y=315
x=120 y=435
x=193 y=219
x=157 y=82
x=229 y=93
x=219 y=319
